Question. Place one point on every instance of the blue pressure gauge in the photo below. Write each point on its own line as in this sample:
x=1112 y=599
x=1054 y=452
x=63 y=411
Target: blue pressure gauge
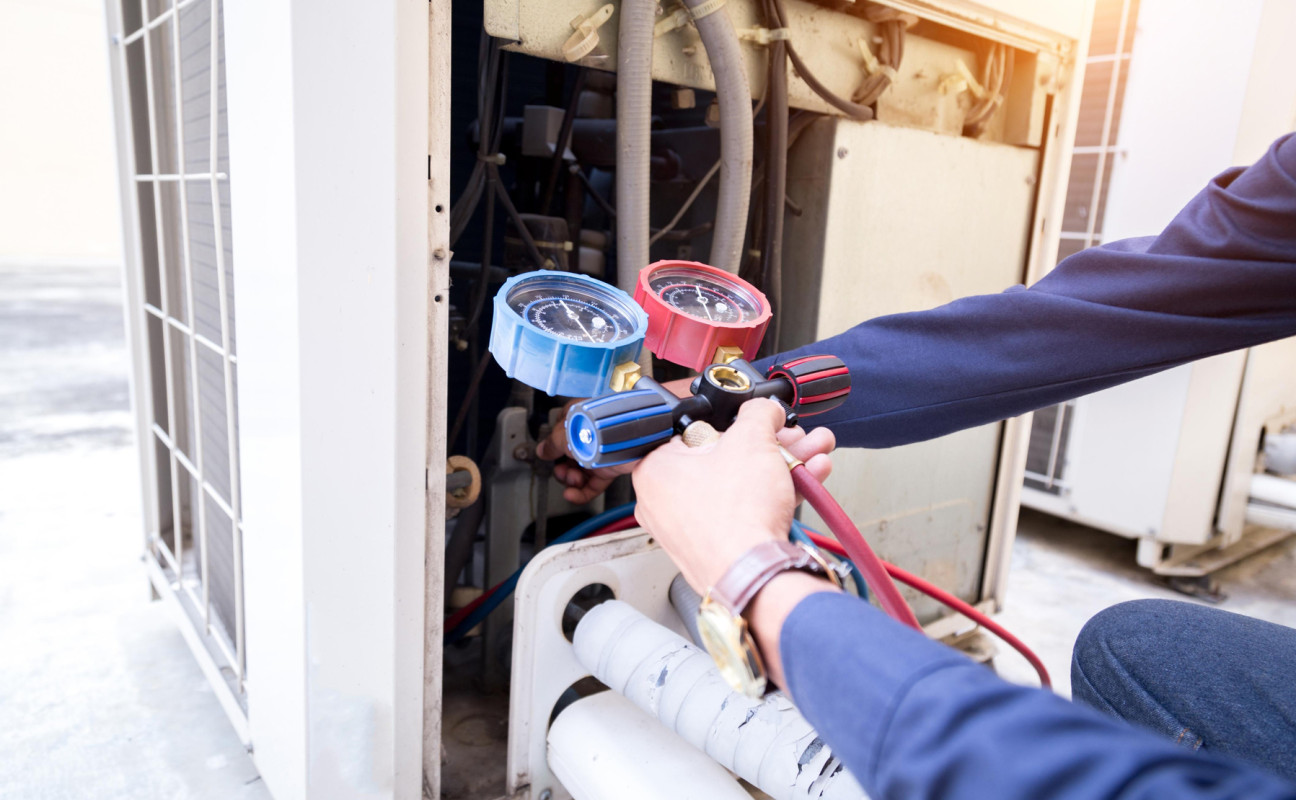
x=563 y=333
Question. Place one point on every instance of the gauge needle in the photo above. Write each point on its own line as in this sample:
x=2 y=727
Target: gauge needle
x=573 y=315
x=702 y=299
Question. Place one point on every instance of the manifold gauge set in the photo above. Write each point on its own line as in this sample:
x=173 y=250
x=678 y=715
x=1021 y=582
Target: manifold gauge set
x=571 y=335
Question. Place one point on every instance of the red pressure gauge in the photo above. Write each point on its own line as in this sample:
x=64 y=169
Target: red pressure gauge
x=696 y=309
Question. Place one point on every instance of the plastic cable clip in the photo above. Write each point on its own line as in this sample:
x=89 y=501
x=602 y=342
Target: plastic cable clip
x=971 y=84
x=871 y=65
x=585 y=39
x=764 y=36
x=706 y=9
x=673 y=21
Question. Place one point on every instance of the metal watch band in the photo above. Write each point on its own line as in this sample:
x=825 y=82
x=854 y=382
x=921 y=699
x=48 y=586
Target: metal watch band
x=755 y=568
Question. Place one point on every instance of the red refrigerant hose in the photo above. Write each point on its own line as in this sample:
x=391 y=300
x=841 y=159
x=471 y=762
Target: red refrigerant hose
x=857 y=550
x=944 y=597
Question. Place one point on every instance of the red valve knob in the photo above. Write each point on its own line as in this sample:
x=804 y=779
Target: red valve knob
x=819 y=383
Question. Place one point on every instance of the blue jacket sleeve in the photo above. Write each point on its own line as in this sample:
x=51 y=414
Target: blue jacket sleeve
x=912 y=718
x=1221 y=277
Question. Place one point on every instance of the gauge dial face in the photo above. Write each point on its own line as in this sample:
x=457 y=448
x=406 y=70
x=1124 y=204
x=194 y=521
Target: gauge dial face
x=705 y=296
x=572 y=310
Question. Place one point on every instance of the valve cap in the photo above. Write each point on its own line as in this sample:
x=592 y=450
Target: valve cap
x=618 y=428
x=819 y=383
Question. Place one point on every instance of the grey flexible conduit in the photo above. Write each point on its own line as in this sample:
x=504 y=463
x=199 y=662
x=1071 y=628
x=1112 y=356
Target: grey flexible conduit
x=734 y=95
x=634 y=121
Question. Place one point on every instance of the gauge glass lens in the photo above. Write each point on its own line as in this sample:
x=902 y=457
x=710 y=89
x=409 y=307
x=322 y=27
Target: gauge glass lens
x=572 y=310
x=705 y=296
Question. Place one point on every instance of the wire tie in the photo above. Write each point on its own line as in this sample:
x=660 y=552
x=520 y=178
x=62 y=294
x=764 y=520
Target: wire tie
x=675 y=20
x=764 y=36
x=706 y=9
x=973 y=85
x=586 y=38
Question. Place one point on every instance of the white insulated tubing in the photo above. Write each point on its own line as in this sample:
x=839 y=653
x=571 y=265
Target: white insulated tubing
x=766 y=742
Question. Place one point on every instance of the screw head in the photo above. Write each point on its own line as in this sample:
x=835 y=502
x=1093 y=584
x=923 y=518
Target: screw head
x=841 y=152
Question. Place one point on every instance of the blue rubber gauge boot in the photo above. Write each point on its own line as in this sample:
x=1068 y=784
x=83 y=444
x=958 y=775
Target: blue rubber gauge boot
x=563 y=333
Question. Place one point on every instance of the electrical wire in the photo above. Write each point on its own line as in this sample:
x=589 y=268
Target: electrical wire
x=945 y=598
x=564 y=137
x=992 y=81
x=776 y=159
x=688 y=203
x=850 y=109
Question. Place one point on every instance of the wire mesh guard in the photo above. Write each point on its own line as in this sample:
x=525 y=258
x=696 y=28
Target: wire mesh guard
x=172 y=67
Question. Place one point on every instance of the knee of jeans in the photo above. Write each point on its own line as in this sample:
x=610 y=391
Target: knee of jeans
x=1115 y=629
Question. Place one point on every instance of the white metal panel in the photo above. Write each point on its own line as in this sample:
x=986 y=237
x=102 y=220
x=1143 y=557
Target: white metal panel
x=828 y=41
x=1160 y=169
x=1268 y=400
x=329 y=122
x=899 y=220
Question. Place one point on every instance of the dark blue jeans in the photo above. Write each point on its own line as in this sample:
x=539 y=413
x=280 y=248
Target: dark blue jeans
x=1206 y=678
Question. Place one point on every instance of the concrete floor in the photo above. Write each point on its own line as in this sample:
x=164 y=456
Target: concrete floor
x=99 y=695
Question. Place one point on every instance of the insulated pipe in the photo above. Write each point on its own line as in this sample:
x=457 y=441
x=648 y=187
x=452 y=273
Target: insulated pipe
x=1274 y=490
x=766 y=742
x=686 y=603
x=634 y=120
x=734 y=95
x=604 y=748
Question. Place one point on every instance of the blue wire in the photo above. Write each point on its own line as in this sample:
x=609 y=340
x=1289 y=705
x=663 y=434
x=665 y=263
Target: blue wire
x=799 y=535
x=506 y=588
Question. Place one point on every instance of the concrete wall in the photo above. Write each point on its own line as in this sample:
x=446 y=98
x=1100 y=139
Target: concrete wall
x=58 y=198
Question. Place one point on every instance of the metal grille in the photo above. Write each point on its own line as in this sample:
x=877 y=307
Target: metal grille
x=172 y=57
x=1101 y=98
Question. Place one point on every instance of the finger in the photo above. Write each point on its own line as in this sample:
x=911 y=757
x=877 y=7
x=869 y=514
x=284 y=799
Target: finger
x=820 y=466
x=553 y=446
x=790 y=436
x=761 y=415
x=819 y=440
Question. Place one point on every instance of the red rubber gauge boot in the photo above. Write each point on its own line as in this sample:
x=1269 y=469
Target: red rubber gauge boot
x=700 y=315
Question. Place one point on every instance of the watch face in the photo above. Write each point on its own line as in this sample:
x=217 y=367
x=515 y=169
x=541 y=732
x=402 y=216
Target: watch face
x=726 y=638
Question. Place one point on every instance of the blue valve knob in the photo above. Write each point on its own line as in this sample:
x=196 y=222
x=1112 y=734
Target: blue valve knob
x=619 y=428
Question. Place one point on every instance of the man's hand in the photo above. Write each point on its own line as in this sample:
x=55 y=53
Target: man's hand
x=708 y=505
x=583 y=485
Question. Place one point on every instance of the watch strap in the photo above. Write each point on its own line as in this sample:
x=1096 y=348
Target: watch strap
x=755 y=568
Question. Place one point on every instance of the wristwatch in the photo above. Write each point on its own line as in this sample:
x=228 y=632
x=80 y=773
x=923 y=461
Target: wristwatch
x=721 y=625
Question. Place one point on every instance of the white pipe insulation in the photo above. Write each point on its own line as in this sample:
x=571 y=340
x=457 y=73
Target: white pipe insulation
x=604 y=748
x=1273 y=490
x=634 y=123
x=766 y=742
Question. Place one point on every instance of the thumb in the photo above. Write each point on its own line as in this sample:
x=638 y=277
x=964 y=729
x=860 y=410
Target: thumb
x=554 y=445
